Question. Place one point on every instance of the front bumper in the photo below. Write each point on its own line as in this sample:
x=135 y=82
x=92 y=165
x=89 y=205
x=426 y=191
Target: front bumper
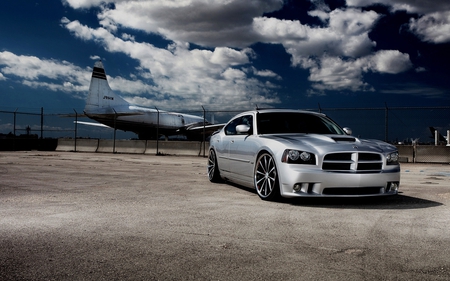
x=302 y=181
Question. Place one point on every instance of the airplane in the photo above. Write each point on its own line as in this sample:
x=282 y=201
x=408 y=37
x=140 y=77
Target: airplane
x=441 y=138
x=111 y=110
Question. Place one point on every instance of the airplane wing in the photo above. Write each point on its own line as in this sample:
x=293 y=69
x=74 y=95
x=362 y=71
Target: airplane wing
x=92 y=124
x=198 y=129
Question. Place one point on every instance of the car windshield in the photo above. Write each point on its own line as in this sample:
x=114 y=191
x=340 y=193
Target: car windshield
x=291 y=122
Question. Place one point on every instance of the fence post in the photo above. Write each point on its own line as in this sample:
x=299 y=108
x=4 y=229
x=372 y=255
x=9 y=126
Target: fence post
x=204 y=130
x=386 y=123
x=42 y=122
x=14 y=129
x=157 y=132
x=76 y=124
x=115 y=129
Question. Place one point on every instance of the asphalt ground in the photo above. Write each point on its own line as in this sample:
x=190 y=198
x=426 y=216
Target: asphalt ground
x=93 y=216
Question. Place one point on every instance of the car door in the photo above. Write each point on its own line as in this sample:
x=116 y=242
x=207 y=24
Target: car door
x=223 y=149
x=242 y=149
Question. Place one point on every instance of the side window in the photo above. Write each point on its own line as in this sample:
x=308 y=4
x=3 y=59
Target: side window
x=248 y=120
x=230 y=129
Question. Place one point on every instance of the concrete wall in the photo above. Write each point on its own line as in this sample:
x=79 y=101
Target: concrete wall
x=175 y=147
x=432 y=154
x=406 y=153
x=82 y=145
x=132 y=146
x=424 y=153
x=87 y=145
x=411 y=154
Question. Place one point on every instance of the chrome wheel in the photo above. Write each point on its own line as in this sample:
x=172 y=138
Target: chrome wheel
x=266 y=177
x=213 y=169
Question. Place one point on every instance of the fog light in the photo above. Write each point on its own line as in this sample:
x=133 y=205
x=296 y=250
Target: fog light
x=301 y=187
x=392 y=186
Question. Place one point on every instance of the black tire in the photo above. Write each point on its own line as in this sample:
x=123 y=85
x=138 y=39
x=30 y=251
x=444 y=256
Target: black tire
x=213 y=168
x=266 y=178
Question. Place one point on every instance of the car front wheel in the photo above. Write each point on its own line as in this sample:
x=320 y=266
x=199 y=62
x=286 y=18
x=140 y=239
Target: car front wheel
x=266 y=177
x=213 y=169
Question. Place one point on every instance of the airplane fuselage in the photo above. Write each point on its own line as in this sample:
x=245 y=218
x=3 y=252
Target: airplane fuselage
x=110 y=109
x=146 y=122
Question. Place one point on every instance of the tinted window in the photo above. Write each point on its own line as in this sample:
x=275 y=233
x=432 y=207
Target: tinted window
x=286 y=123
x=230 y=129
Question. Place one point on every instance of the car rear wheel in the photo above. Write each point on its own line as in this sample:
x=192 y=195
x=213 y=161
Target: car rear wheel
x=213 y=169
x=266 y=177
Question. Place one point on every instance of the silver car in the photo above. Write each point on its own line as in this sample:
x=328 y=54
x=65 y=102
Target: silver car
x=296 y=153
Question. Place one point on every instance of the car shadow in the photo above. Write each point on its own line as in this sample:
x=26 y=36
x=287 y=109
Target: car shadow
x=394 y=202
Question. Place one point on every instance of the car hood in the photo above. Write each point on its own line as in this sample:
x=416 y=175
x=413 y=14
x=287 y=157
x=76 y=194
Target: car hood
x=338 y=142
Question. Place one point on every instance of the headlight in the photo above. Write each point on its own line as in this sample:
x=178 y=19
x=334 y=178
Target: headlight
x=298 y=157
x=392 y=158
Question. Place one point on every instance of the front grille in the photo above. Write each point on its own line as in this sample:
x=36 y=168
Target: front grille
x=352 y=191
x=353 y=162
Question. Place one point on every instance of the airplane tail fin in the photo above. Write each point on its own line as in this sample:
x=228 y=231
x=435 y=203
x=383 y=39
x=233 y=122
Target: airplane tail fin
x=441 y=137
x=101 y=99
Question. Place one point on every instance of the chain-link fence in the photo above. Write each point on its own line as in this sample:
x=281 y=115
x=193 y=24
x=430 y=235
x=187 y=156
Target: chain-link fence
x=404 y=125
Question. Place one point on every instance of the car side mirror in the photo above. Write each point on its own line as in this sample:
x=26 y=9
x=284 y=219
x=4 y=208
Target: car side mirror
x=242 y=129
x=348 y=131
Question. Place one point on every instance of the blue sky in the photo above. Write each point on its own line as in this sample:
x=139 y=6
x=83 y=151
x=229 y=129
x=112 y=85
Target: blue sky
x=226 y=54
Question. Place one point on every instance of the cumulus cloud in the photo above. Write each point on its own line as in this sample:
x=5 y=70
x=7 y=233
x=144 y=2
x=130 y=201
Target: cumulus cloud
x=229 y=27
x=31 y=68
x=179 y=73
x=205 y=23
x=336 y=54
x=389 y=61
x=433 y=28
x=77 y=4
x=334 y=73
x=410 y=6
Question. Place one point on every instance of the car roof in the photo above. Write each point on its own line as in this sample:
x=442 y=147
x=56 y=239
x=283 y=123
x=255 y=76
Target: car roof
x=274 y=110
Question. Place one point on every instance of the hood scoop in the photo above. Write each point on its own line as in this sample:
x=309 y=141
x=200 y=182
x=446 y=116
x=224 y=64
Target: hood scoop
x=343 y=139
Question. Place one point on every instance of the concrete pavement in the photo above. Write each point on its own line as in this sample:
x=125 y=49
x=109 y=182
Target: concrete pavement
x=94 y=216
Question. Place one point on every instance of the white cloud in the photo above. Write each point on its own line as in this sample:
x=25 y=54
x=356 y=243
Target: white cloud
x=434 y=28
x=2 y=78
x=265 y=73
x=228 y=24
x=336 y=54
x=389 y=61
x=32 y=68
x=323 y=16
x=96 y=58
x=226 y=56
x=207 y=23
x=190 y=77
x=410 y=6
x=345 y=35
x=433 y=25
x=333 y=73
x=77 y=4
